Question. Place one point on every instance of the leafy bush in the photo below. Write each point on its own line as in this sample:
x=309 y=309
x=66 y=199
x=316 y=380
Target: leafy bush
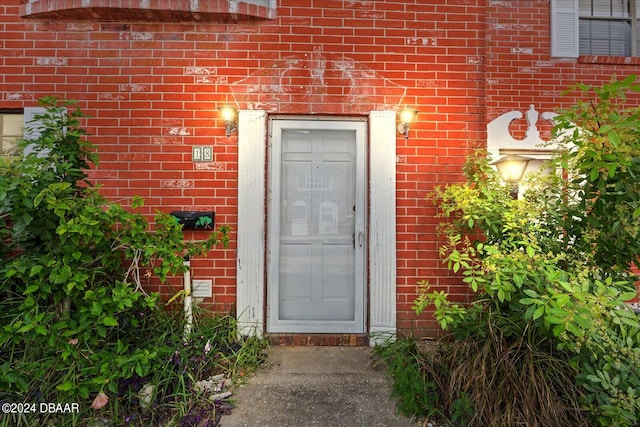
x=76 y=320
x=556 y=265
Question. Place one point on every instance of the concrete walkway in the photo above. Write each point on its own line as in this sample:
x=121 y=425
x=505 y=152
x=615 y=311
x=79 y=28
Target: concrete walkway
x=316 y=386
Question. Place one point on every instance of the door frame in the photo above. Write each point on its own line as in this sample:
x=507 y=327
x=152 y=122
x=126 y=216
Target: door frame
x=251 y=238
x=277 y=124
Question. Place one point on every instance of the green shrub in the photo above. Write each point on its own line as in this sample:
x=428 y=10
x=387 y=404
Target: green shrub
x=76 y=320
x=556 y=264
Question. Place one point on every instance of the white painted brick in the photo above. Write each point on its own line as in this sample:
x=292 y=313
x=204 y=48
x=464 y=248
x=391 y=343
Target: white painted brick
x=50 y=60
x=162 y=140
x=420 y=41
x=180 y=131
x=200 y=71
x=77 y=26
x=176 y=183
x=16 y=96
x=210 y=166
x=135 y=87
x=525 y=50
x=106 y=96
x=136 y=36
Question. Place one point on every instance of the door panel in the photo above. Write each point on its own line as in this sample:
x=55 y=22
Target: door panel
x=316 y=227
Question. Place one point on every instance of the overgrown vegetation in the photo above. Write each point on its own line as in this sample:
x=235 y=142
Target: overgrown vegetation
x=548 y=338
x=77 y=325
x=412 y=386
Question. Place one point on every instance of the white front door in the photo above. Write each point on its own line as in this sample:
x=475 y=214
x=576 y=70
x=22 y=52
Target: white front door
x=316 y=246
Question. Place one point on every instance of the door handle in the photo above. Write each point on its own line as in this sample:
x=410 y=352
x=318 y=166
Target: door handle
x=360 y=238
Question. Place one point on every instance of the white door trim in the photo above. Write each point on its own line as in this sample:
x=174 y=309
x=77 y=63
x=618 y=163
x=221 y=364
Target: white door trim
x=382 y=226
x=274 y=324
x=252 y=142
x=252 y=134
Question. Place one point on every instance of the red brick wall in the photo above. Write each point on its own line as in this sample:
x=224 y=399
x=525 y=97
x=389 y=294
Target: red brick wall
x=152 y=90
x=520 y=70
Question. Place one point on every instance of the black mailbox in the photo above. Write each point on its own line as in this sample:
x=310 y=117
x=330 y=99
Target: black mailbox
x=195 y=220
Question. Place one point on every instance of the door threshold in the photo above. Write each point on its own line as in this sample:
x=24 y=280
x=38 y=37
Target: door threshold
x=350 y=340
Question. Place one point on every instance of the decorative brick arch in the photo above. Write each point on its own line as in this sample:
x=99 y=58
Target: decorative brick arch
x=150 y=10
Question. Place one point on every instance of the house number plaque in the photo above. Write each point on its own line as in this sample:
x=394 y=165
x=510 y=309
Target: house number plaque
x=202 y=153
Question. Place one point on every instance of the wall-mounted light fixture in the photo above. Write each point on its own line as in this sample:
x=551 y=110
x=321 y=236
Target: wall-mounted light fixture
x=229 y=115
x=406 y=116
x=512 y=168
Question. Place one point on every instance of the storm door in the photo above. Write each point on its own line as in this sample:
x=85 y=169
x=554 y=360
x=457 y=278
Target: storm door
x=316 y=235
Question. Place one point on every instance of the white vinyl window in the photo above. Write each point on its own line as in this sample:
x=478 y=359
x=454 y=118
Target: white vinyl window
x=607 y=26
x=10 y=133
x=594 y=27
x=266 y=3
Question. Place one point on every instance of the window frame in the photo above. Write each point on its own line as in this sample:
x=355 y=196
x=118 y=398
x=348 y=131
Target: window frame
x=565 y=34
x=16 y=136
x=631 y=19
